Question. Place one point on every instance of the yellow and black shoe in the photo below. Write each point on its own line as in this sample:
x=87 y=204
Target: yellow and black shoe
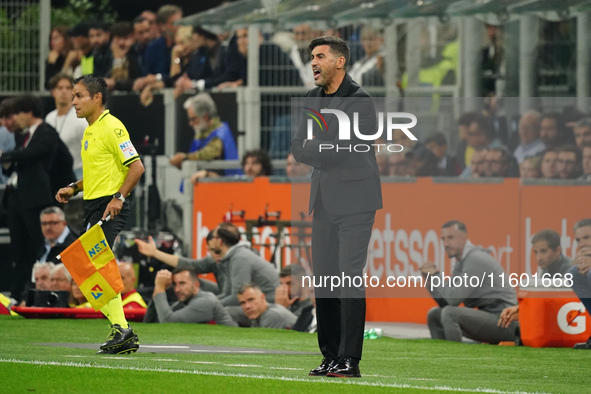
x=120 y=341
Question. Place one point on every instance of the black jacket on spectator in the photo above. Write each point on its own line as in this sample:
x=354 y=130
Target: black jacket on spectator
x=133 y=69
x=103 y=60
x=52 y=69
x=58 y=248
x=276 y=68
x=207 y=62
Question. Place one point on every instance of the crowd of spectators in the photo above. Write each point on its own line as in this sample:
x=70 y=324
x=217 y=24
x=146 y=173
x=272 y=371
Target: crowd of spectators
x=549 y=146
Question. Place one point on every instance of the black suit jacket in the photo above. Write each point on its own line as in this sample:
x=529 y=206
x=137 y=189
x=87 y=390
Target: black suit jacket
x=61 y=173
x=58 y=248
x=349 y=182
x=32 y=165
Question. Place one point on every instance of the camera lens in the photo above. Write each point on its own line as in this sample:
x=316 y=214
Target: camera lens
x=52 y=299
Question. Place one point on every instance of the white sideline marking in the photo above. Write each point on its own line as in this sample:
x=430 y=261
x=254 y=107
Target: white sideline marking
x=227 y=351
x=288 y=368
x=165 y=347
x=243 y=365
x=240 y=375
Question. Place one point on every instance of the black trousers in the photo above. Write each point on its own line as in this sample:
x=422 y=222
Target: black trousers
x=26 y=240
x=339 y=249
x=93 y=212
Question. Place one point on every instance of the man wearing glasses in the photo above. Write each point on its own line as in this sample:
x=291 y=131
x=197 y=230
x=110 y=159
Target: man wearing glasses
x=56 y=233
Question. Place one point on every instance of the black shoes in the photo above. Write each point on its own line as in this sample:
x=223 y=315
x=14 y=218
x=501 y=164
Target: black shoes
x=345 y=368
x=120 y=341
x=583 y=345
x=326 y=365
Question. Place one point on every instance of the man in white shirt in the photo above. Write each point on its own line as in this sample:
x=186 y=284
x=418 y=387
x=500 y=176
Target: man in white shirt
x=69 y=127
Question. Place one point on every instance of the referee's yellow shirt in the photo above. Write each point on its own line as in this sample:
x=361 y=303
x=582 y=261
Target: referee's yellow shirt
x=107 y=152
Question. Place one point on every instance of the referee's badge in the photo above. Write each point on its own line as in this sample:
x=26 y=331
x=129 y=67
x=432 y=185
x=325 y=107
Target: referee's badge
x=86 y=145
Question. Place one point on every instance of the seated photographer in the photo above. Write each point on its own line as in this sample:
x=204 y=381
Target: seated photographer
x=193 y=305
x=260 y=312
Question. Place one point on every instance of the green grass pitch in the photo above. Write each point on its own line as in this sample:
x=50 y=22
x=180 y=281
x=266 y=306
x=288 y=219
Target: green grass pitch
x=388 y=365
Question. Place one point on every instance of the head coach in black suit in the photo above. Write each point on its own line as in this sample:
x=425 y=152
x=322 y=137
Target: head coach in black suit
x=345 y=194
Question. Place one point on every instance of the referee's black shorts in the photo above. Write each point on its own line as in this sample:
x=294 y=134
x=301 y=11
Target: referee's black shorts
x=93 y=212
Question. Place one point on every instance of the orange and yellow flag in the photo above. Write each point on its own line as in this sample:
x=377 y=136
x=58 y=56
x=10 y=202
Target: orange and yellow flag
x=93 y=267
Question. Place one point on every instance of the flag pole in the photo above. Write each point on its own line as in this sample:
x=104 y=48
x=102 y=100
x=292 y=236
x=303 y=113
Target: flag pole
x=100 y=223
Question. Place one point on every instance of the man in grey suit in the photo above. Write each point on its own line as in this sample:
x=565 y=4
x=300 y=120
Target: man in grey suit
x=345 y=194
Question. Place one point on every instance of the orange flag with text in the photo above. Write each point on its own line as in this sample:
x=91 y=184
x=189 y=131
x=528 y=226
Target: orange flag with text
x=93 y=267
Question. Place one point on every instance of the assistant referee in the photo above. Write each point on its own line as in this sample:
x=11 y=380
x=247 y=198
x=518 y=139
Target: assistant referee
x=111 y=168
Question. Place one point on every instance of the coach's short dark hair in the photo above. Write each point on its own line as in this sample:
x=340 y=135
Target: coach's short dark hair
x=551 y=237
x=94 y=84
x=336 y=45
x=459 y=225
x=228 y=233
x=28 y=103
